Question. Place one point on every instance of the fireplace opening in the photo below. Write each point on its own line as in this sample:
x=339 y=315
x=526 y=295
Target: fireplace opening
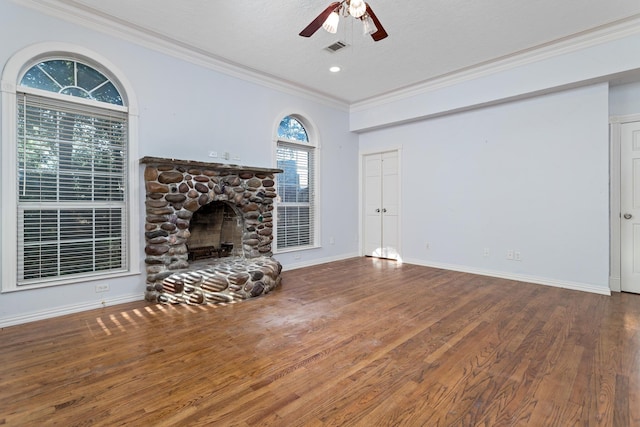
x=215 y=232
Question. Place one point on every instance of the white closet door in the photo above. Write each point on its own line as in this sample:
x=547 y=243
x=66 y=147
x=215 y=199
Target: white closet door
x=372 y=203
x=390 y=205
x=381 y=205
x=630 y=207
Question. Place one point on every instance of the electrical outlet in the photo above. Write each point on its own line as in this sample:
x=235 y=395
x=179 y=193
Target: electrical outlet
x=102 y=288
x=517 y=256
x=226 y=155
x=332 y=241
x=510 y=254
x=485 y=252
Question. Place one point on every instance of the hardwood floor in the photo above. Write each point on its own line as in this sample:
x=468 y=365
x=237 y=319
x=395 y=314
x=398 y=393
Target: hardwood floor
x=360 y=342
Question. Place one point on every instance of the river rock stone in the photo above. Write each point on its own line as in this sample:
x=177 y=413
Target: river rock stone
x=202 y=188
x=156 y=249
x=154 y=187
x=150 y=173
x=170 y=177
x=175 y=198
x=156 y=203
x=222 y=281
x=175 y=190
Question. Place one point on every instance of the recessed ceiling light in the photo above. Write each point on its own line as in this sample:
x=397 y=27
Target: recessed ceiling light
x=334 y=69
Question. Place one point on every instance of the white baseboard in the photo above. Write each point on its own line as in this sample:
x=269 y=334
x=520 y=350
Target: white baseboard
x=576 y=286
x=317 y=261
x=615 y=284
x=69 y=309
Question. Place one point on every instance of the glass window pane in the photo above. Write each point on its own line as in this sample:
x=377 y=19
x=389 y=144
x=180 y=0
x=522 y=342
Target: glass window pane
x=76 y=225
x=292 y=129
x=76 y=258
x=37 y=185
x=62 y=72
x=37 y=79
x=294 y=226
x=293 y=182
x=107 y=93
x=40 y=226
x=108 y=222
x=88 y=78
x=70 y=156
x=40 y=261
x=108 y=254
x=108 y=188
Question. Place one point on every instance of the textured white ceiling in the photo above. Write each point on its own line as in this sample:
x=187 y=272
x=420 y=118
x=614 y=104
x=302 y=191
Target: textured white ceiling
x=427 y=38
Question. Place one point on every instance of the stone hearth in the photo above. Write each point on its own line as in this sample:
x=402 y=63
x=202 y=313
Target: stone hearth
x=225 y=280
x=175 y=191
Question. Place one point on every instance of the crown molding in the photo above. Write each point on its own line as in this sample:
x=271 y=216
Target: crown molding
x=596 y=36
x=71 y=11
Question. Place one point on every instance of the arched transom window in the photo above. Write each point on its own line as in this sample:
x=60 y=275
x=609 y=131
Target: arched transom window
x=73 y=78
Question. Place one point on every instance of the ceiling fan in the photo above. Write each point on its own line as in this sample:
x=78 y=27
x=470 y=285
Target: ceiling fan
x=329 y=18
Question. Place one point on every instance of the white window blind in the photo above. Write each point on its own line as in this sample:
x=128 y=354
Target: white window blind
x=71 y=189
x=296 y=189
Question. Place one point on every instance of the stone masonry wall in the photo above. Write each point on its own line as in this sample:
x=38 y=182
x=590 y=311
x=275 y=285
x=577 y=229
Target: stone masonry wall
x=175 y=189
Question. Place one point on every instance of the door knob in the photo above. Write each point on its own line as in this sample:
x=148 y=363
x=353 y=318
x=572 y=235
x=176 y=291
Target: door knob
x=627 y=216
x=377 y=210
x=384 y=210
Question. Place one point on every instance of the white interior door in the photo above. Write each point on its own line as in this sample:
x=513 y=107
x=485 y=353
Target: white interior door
x=390 y=205
x=630 y=207
x=372 y=205
x=381 y=205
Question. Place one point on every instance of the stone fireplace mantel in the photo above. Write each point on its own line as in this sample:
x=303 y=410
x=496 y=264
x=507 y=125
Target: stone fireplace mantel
x=175 y=190
x=222 y=168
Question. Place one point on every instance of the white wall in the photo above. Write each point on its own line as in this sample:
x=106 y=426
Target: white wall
x=516 y=156
x=529 y=175
x=624 y=99
x=185 y=111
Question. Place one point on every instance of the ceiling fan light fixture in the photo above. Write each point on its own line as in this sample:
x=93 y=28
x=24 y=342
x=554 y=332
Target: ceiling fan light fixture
x=357 y=8
x=331 y=23
x=368 y=26
x=329 y=19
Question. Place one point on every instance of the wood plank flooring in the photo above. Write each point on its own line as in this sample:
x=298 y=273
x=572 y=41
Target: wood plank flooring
x=359 y=342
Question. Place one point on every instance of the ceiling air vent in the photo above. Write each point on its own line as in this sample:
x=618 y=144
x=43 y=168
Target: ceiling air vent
x=336 y=46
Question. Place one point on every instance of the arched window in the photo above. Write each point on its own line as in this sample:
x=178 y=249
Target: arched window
x=296 y=187
x=71 y=173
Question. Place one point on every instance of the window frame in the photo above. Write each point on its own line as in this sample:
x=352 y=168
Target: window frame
x=14 y=69
x=311 y=145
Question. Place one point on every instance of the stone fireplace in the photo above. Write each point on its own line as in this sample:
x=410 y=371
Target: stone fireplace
x=208 y=231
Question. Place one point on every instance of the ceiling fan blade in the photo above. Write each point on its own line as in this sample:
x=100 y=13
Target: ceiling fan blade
x=381 y=33
x=317 y=23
